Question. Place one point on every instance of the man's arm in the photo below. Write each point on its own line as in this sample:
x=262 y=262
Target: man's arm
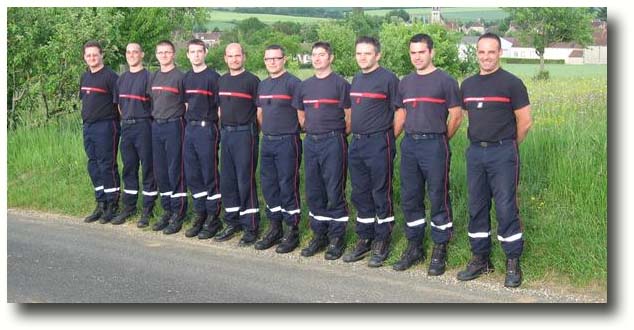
x=524 y=122
x=399 y=121
x=259 y=116
x=348 y=119
x=301 y=117
x=455 y=118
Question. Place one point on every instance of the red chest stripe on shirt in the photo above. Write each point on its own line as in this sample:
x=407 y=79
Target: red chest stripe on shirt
x=94 y=89
x=276 y=96
x=236 y=94
x=134 y=97
x=488 y=99
x=316 y=102
x=165 y=88
x=368 y=95
x=198 y=91
x=424 y=99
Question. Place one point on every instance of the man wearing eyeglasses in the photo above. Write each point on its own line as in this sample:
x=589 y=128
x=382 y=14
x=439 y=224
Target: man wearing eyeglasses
x=376 y=122
x=202 y=138
x=281 y=152
x=238 y=91
x=325 y=101
x=100 y=131
x=168 y=128
x=136 y=137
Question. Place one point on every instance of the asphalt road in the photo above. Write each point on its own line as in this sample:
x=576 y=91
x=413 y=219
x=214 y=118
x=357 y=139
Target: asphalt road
x=63 y=260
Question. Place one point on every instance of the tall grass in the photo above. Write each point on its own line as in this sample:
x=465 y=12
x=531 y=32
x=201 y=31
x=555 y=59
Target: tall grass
x=562 y=194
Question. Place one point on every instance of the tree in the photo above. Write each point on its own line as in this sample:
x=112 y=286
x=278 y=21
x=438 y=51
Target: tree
x=541 y=26
x=404 y=15
x=341 y=39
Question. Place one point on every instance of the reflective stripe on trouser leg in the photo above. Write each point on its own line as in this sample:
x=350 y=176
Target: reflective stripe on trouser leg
x=438 y=159
x=130 y=159
x=201 y=169
x=174 y=148
x=361 y=182
x=479 y=201
x=143 y=144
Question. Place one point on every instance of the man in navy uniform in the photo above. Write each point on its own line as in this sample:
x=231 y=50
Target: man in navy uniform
x=281 y=152
x=499 y=119
x=101 y=132
x=136 y=137
x=168 y=128
x=432 y=104
x=202 y=138
x=324 y=100
x=239 y=149
x=375 y=107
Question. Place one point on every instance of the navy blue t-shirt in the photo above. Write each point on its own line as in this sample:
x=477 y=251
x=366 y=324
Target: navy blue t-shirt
x=323 y=102
x=166 y=89
x=275 y=96
x=491 y=101
x=97 y=92
x=132 y=96
x=237 y=96
x=427 y=99
x=201 y=95
x=374 y=97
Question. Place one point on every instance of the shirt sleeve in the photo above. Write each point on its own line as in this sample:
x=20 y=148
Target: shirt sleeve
x=452 y=93
x=298 y=99
x=344 y=96
x=395 y=96
x=519 y=95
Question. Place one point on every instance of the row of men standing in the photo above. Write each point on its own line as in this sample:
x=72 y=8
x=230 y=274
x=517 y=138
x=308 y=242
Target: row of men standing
x=170 y=125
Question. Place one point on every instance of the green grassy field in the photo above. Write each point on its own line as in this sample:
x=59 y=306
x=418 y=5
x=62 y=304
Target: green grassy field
x=225 y=20
x=562 y=195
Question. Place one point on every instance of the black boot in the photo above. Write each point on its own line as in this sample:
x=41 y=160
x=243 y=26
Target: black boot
x=290 y=241
x=163 y=221
x=227 y=233
x=317 y=244
x=438 y=260
x=97 y=213
x=362 y=247
x=175 y=224
x=145 y=217
x=197 y=226
x=335 y=248
x=109 y=214
x=412 y=255
x=210 y=228
x=272 y=236
x=249 y=237
x=478 y=265
x=513 y=273
x=380 y=252
x=128 y=211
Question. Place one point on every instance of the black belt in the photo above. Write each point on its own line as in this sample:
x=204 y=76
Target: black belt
x=486 y=144
x=278 y=137
x=362 y=136
x=426 y=136
x=133 y=121
x=201 y=123
x=323 y=135
x=163 y=121
x=237 y=128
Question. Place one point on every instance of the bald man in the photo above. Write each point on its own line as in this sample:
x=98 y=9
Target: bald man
x=238 y=90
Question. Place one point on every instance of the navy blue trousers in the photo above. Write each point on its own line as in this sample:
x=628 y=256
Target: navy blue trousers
x=425 y=162
x=371 y=161
x=201 y=166
x=136 y=147
x=239 y=160
x=493 y=171
x=325 y=164
x=280 y=158
x=167 y=149
x=101 y=141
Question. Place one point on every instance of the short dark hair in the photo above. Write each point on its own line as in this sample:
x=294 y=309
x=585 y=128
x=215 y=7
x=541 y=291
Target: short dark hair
x=323 y=44
x=424 y=38
x=274 y=46
x=93 y=43
x=135 y=43
x=166 y=42
x=490 y=35
x=369 y=40
x=196 y=42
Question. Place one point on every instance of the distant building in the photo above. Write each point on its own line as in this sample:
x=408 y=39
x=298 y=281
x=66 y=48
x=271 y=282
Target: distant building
x=211 y=39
